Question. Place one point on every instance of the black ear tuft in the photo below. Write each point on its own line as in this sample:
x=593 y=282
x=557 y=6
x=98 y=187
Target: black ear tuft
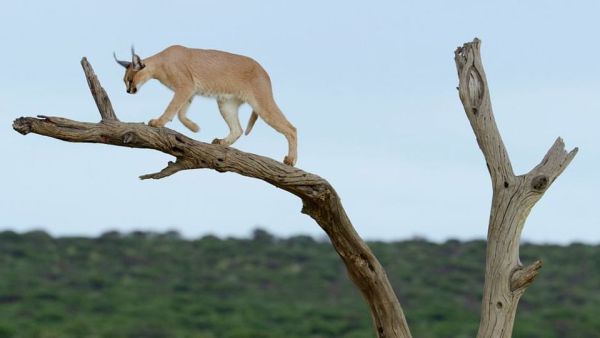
x=122 y=63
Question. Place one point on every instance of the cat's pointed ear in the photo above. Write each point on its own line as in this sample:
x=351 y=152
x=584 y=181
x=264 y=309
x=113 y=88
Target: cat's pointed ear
x=136 y=60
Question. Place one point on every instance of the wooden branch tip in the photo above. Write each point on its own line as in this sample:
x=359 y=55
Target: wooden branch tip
x=472 y=84
x=467 y=47
x=22 y=125
x=523 y=277
x=170 y=169
x=464 y=53
x=100 y=97
x=554 y=162
x=26 y=125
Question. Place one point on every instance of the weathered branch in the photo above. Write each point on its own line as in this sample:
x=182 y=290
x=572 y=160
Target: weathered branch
x=522 y=277
x=553 y=164
x=320 y=200
x=513 y=198
x=102 y=101
x=475 y=97
x=170 y=169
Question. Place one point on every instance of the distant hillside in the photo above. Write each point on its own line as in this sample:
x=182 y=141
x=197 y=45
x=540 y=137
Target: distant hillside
x=159 y=285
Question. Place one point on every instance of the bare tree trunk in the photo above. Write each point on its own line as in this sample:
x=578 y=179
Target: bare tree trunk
x=513 y=197
x=320 y=200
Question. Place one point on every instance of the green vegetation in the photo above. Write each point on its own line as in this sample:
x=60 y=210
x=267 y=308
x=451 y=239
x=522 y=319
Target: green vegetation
x=160 y=285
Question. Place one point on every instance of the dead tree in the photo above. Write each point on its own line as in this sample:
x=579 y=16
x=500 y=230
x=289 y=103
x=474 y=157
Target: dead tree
x=513 y=196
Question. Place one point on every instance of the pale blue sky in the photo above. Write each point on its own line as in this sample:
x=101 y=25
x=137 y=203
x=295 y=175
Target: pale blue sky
x=369 y=85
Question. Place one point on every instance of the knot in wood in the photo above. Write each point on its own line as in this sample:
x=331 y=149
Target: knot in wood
x=475 y=86
x=128 y=137
x=367 y=261
x=540 y=182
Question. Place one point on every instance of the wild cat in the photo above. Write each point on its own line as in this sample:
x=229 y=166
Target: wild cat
x=232 y=79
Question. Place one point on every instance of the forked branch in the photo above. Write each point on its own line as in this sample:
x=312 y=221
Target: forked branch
x=513 y=197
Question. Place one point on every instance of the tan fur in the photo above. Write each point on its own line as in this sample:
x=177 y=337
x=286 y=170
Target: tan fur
x=232 y=79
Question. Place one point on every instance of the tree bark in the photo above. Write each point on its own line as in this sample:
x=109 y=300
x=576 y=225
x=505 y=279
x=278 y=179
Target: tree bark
x=320 y=200
x=513 y=197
